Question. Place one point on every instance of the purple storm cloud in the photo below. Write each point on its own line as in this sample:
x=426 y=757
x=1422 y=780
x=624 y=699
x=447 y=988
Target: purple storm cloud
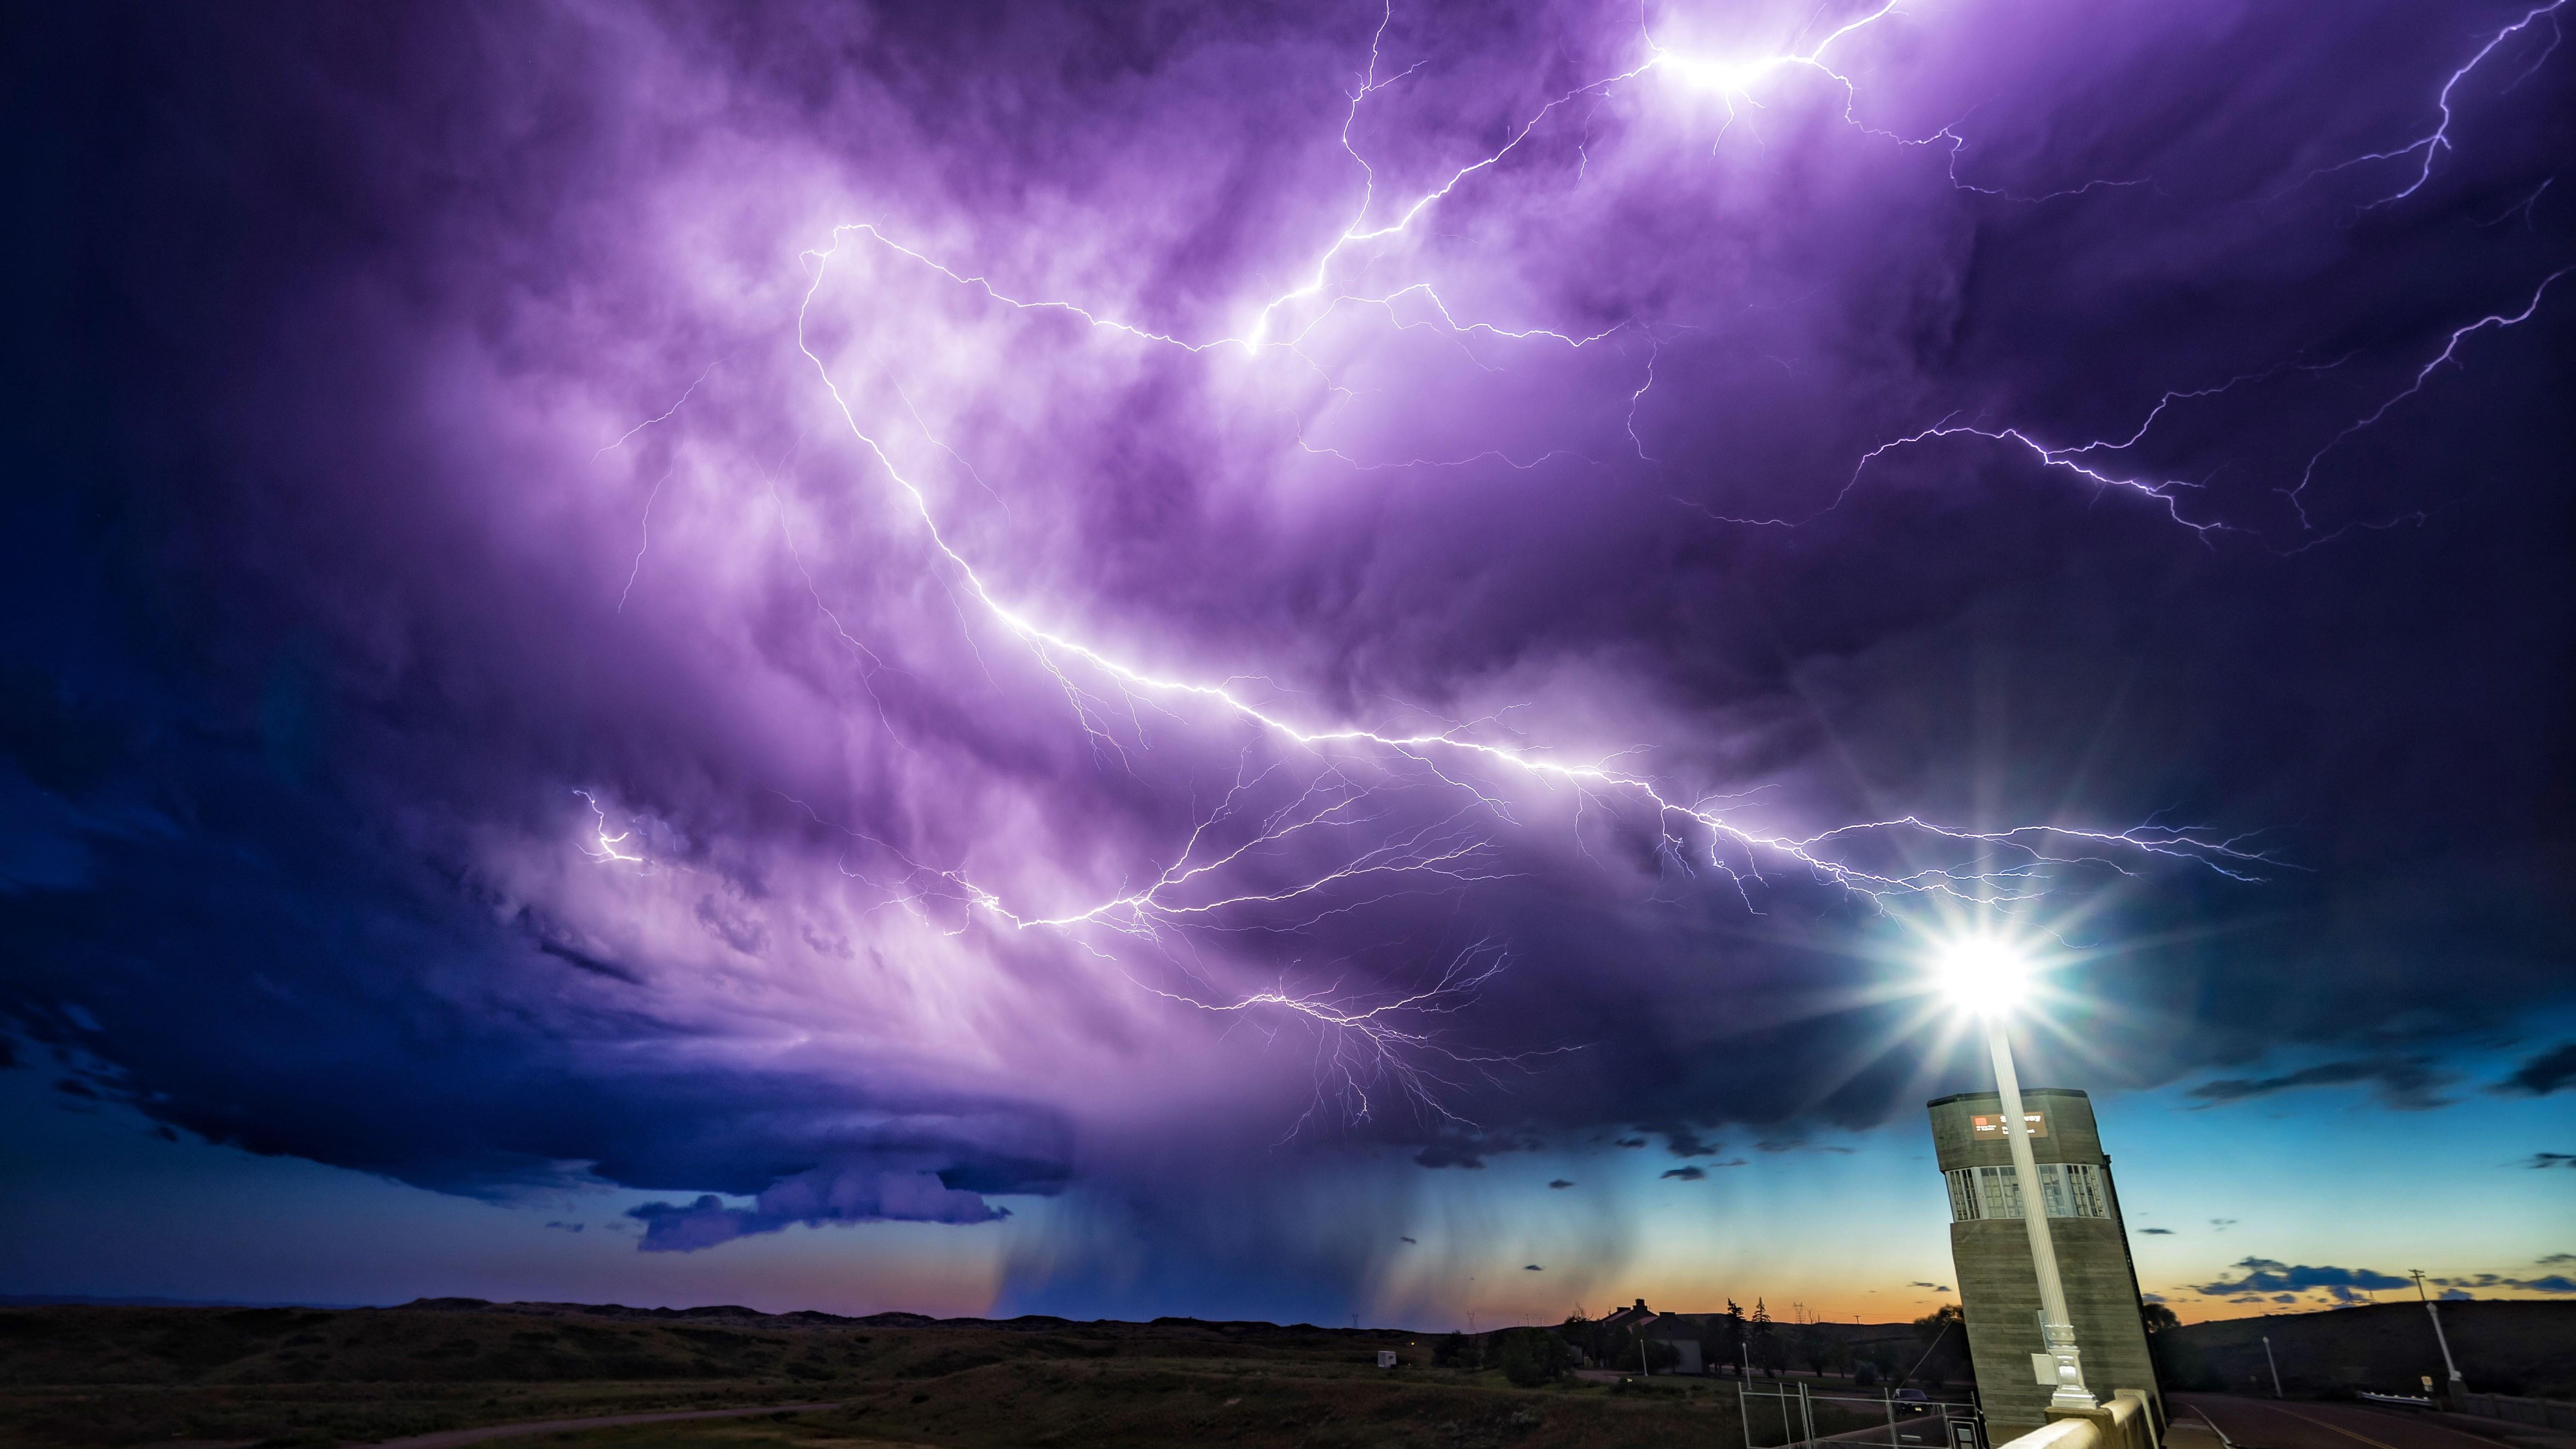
x=879 y=610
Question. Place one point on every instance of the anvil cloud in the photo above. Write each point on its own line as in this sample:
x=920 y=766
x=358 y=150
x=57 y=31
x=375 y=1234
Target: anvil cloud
x=883 y=610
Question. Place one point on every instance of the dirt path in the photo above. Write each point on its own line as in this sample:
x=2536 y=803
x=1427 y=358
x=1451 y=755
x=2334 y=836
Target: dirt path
x=446 y=1437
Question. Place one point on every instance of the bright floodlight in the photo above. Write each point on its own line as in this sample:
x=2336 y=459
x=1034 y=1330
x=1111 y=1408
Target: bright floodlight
x=1986 y=977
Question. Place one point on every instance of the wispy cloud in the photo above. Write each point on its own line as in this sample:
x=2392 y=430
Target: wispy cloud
x=2554 y=1283
x=2409 y=1084
x=2543 y=1074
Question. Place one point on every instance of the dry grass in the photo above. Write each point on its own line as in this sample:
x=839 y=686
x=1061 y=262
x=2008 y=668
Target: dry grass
x=289 y=1379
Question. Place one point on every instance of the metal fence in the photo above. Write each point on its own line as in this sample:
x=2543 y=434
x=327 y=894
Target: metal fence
x=2540 y=1413
x=1903 y=1424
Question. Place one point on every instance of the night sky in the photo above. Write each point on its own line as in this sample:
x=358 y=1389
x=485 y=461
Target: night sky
x=1287 y=662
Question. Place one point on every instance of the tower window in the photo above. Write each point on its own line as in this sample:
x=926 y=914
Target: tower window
x=2071 y=1190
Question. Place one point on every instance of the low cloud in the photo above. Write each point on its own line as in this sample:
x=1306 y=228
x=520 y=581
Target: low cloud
x=2550 y=1159
x=1532 y=1268
x=2267 y=1275
x=2155 y=1232
x=569 y=1227
x=1560 y=1183
x=2222 y=1224
x=2408 y=1084
x=2543 y=1074
x=1687 y=1174
x=2554 y=1259
x=2554 y=1283
x=1630 y=1142
x=1686 y=1143
x=855 y=1194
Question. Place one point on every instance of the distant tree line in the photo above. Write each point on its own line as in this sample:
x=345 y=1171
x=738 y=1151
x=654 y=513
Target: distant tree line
x=1935 y=1354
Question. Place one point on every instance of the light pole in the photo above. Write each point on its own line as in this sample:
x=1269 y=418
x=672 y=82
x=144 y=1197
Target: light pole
x=2458 y=1387
x=1988 y=977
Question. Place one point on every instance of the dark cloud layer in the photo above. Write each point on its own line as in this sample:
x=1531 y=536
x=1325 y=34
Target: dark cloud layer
x=2264 y=1275
x=477 y=706
x=2406 y=1083
x=2544 y=1073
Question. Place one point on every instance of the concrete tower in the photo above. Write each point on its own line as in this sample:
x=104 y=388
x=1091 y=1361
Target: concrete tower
x=1999 y=1289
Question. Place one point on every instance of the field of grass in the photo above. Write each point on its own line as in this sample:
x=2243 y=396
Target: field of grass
x=290 y=1378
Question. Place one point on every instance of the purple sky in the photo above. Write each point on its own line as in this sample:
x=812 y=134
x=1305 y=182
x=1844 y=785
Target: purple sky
x=1179 y=618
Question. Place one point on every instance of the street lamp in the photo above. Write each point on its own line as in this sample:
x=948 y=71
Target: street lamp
x=2459 y=1385
x=1989 y=978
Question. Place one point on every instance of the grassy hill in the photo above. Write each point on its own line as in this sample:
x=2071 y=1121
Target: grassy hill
x=2502 y=1347
x=290 y=1378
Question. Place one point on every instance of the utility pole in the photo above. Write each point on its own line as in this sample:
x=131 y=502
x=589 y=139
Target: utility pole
x=2458 y=1386
x=2269 y=1363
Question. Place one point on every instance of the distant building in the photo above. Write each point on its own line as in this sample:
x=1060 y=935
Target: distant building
x=1386 y=1358
x=1640 y=1314
x=1638 y=1318
x=1688 y=1350
x=1998 y=1287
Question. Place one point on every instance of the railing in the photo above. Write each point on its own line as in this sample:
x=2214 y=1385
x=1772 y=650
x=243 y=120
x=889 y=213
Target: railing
x=2540 y=1413
x=2123 y=1423
x=1903 y=1423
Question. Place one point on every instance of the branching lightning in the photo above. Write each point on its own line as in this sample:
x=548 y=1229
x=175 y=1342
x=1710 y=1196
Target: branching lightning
x=1331 y=811
x=2428 y=148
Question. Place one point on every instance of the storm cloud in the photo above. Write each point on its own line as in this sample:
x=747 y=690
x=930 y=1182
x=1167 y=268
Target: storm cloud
x=878 y=611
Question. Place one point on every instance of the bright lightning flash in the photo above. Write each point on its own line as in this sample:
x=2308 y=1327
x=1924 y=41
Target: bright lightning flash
x=2009 y=865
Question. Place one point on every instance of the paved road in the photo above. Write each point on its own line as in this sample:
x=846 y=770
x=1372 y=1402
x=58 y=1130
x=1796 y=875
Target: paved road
x=447 y=1437
x=2245 y=1423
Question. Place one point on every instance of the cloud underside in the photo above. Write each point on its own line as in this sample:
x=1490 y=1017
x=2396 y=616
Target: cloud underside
x=812 y=1199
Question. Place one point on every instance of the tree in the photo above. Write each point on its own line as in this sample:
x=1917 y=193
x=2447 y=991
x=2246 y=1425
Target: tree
x=1445 y=1353
x=1632 y=1348
x=1532 y=1356
x=1944 y=1339
x=1730 y=1340
x=1762 y=1346
x=2158 y=1317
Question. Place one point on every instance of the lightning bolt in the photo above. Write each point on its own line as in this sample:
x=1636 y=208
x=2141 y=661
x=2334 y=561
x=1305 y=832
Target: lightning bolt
x=1188 y=892
x=2429 y=147
x=1051 y=645
x=2449 y=355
